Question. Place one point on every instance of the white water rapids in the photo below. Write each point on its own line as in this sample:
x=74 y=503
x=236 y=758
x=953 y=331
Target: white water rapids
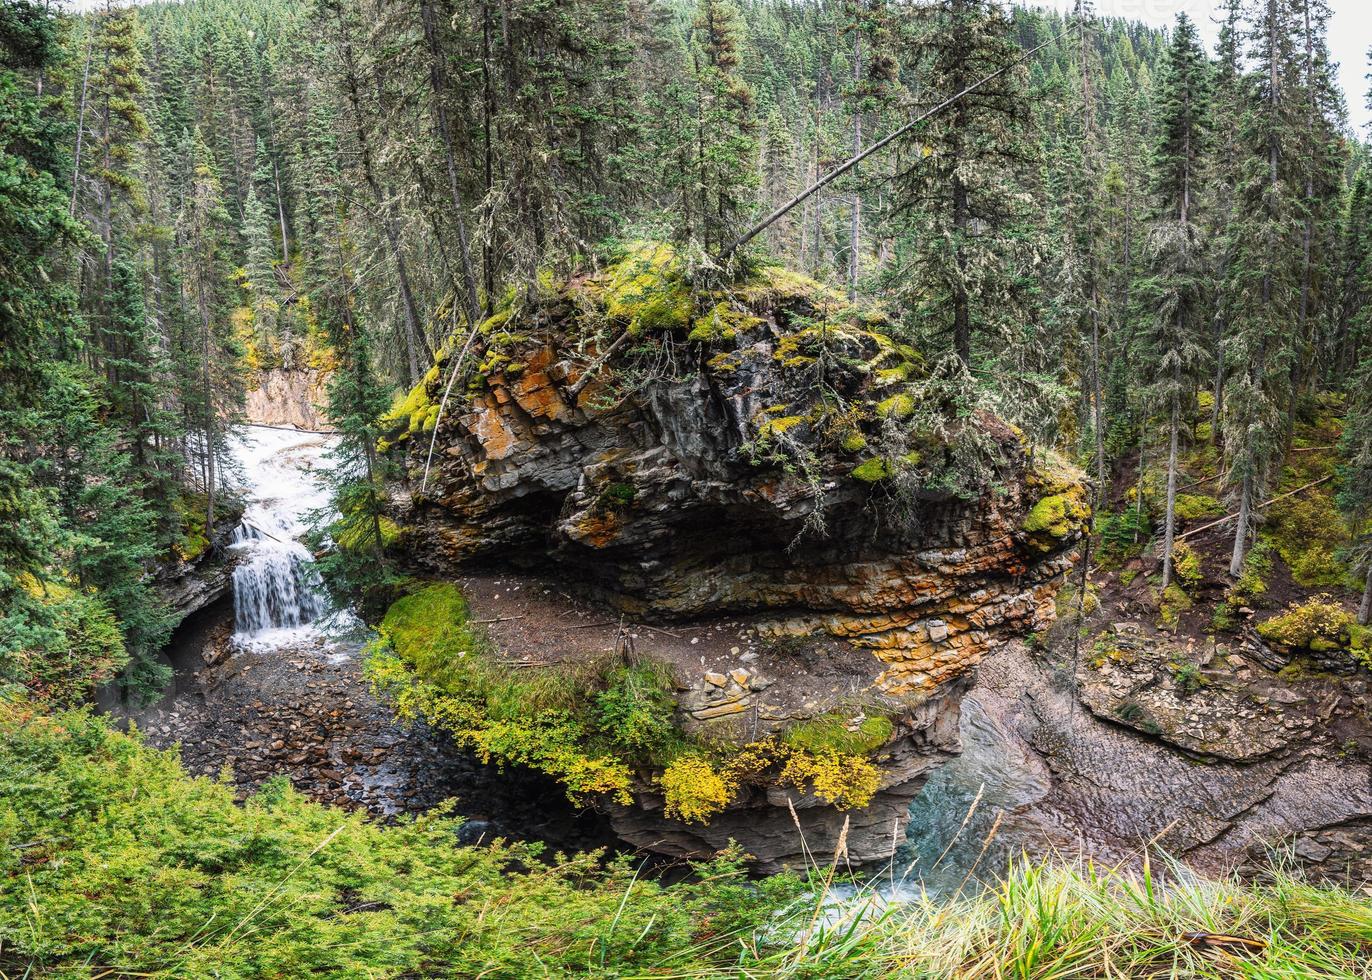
x=278 y=596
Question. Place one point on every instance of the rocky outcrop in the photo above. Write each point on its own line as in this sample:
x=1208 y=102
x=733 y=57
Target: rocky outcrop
x=782 y=827
x=1220 y=763
x=189 y=584
x=684 y=452
x=289 y=398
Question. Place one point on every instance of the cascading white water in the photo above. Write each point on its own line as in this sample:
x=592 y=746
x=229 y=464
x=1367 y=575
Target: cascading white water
x=277 y=591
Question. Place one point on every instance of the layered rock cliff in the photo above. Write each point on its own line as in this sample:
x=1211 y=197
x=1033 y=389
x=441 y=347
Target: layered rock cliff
x=686 y=451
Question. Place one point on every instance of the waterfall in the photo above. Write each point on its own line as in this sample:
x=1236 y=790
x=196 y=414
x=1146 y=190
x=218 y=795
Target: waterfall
x=277 y=590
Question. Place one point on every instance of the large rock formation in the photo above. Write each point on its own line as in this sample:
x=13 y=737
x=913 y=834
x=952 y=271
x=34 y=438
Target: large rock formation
x=686 y=452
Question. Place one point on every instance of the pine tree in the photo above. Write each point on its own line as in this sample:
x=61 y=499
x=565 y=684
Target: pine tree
x=1176 y=285
x=116 y=86
x=202 y=234
x=875 y=75
x=1266 y=270
x=1355 y=478
x=725 y=150
x=1229 y=98
x=963 y=269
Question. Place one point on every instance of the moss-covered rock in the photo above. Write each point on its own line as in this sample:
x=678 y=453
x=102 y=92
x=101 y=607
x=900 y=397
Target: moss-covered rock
x=1056 y=518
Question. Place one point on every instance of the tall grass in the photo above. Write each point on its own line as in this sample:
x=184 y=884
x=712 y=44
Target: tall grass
x=1050 y=920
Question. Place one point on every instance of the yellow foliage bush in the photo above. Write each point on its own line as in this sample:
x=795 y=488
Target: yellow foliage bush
x=1319 y=623
x=694 y=790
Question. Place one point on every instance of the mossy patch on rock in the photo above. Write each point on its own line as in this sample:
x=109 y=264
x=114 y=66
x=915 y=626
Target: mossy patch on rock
x=873 y=470
x=833 y=732
x=1056 y=518
x=1319 y=625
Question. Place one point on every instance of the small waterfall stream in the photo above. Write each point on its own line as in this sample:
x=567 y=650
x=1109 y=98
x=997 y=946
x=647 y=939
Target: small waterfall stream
x=277 y=592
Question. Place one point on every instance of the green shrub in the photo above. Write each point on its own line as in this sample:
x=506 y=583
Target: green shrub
x=1188 y=677
x=115 y=863
x=1319 y=624
x=1123 y=535
x=636 y=710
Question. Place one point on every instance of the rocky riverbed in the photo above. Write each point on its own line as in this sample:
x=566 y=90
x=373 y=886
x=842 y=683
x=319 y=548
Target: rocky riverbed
x=303 y=710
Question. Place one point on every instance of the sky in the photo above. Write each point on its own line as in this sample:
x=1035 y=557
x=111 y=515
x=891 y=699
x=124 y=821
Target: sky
x=1350 y=34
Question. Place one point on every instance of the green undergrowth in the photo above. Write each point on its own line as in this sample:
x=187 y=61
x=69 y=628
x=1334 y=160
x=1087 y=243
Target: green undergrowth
x=191 y=508
x=1307 y=530
x=602 y=726
x=58 y=642
x=1319 y=625
x=115 y=863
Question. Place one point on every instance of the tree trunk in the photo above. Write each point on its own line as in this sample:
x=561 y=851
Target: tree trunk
x=414 y=332
x=962 y=318
x=81 y=122
x=1365 y=608
x=1241 y=527
x=855 y=223
x=1170 y=524
x=208 y=394
x=438 y=84
x=1217 y=403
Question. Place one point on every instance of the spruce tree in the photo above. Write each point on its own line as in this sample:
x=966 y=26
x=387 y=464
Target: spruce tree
x=725 y=152
x=963 y=272
x=1265 y=273
x=1175 y=288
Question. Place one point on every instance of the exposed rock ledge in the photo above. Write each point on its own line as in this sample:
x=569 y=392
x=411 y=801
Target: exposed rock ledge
x=762 y=452
x=288 y=397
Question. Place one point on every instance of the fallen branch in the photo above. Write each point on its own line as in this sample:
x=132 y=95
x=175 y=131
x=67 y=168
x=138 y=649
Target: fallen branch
x=438 y=419
x=588 y=626
x=852 y=162
x=1265 y=503
x=594 y=369
x=501 y=619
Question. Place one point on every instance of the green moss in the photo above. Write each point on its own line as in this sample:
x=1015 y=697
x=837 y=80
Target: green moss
x=725 y=363
x=1194 y=506
x=854 y=441
x=1251 y=587
x=873 y=470
x=645 y=291
x=721 y=323
x=896 y=407
x=191 y=509
x=412 y=414
x=1186 y=564
x=618 y=495
x=1174 y=602
x=771 y=428
x=841 y=734
x=1306 y=529
x=1056 y=518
